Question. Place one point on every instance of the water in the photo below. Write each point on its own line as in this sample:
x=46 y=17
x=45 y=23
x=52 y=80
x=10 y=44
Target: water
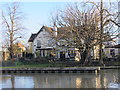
x=105 y=79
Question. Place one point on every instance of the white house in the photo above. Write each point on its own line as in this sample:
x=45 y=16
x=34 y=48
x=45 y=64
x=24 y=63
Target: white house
x=111 y=51
x=43 y=44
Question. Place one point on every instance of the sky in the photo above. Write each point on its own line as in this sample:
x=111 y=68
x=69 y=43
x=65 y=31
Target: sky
x=37 y=14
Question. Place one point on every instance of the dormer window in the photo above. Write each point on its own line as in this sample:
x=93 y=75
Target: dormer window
x=38 y=44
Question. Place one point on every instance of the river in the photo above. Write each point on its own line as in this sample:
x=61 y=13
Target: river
x=105 y=79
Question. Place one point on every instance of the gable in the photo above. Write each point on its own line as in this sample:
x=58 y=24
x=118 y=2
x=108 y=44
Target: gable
x=32 y=37
x=47 y=29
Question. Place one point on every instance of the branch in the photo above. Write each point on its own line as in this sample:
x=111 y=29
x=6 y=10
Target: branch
x=4 y=20
x=110 y=20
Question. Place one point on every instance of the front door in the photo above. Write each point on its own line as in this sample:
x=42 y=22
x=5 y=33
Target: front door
x=62 y=55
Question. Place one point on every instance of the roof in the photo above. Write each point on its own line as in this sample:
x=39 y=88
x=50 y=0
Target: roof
x=33 y=36
x=63 y=32
x=115 y=46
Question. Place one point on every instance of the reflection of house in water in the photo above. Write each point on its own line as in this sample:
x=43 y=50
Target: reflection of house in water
x=97 y=82
x=54 y=81
x=78 y=82
x=65 y=81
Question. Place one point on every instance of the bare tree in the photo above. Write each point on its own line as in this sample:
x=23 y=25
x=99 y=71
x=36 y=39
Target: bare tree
x=12 y=24
x=84 y=28
x=108 y=21
x=78 y=29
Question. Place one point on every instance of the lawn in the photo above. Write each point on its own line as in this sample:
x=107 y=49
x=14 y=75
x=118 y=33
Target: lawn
x=30 y=65
x=16 y=64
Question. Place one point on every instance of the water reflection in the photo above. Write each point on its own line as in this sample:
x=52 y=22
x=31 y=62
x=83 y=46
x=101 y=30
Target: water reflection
x=88 y=80
x=78 y=82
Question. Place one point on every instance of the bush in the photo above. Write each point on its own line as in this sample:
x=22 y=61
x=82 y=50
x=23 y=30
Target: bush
x=8 y=63
x=42 y=59
x=22 y=59
x=29 y=55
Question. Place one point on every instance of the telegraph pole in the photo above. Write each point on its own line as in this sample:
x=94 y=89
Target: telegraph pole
x=101 y=32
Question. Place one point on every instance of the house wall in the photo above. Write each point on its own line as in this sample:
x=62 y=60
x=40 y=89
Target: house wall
x=95 y=52
x=1 y=56
x=74 y=50
x=30 y=48
x=44 y=36
x=5 y=55
x=108 y=53
x=77 y=57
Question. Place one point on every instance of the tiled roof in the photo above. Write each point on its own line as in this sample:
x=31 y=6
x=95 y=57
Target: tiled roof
x=32 y=37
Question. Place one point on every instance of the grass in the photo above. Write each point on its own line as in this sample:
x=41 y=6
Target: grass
x=16 y=64
x=20 y=65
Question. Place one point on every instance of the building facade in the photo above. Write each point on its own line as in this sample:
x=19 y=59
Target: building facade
x=43 y=44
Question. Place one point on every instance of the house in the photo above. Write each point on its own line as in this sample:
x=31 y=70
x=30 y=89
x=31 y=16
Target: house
x=5 y=54
x=43 y=44
x=112 y=51
x=19 y=49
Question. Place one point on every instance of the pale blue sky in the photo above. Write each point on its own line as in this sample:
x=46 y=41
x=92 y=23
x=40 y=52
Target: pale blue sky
x=37 y=14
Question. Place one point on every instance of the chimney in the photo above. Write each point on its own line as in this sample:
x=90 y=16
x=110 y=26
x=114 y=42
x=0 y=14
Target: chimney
x=55 y=29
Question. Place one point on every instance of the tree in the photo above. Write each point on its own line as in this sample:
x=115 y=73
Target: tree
x=78 y=29
x=84 y=28
x=107 y=21
x=12 y=24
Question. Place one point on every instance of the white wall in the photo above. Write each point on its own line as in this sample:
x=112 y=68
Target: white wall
x=107 y=52
x=44 y=36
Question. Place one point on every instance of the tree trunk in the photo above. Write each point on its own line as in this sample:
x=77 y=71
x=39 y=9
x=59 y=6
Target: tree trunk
x=11 y=51
x=101 y=32
x=11 y=45
x=88 y=57
x=83 y=56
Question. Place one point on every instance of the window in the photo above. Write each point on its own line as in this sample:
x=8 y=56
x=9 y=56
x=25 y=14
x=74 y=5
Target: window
x=112 y=52
x=38 y=44
x=51 y=42
x=71 y=53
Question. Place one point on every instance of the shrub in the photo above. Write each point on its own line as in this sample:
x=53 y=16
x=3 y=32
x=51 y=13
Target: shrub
x=8 y=63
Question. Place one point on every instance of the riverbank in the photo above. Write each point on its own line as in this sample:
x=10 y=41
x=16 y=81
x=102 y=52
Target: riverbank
x=52 y=70
x=17 y=64
x=56 y=68
x=71 y=64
